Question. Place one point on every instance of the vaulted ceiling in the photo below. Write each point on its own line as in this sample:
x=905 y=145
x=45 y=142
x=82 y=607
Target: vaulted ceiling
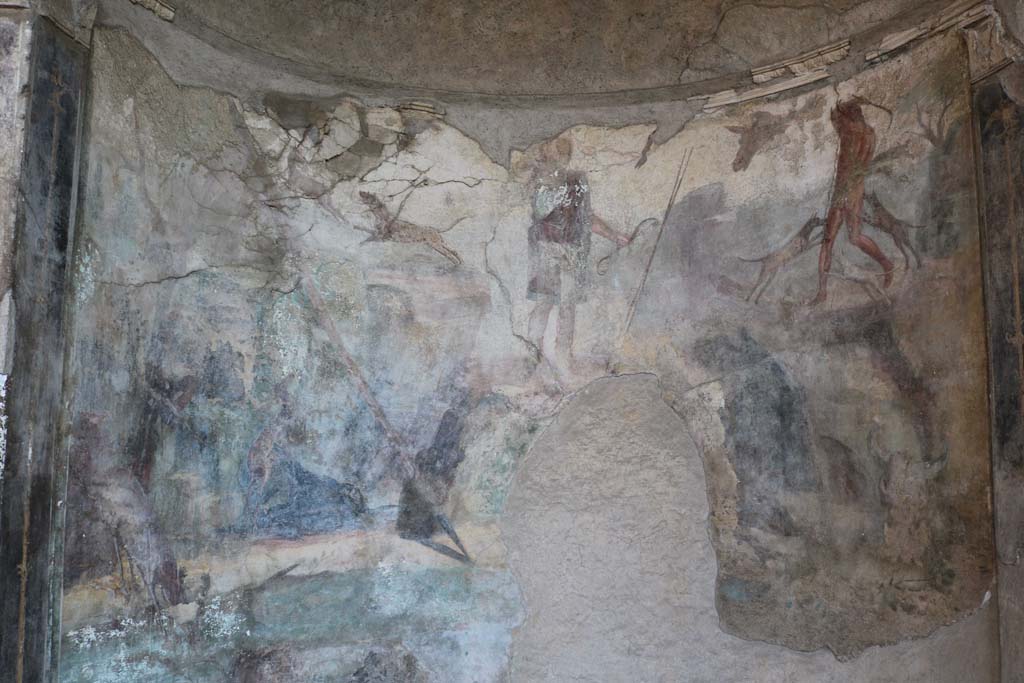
x=540 y=46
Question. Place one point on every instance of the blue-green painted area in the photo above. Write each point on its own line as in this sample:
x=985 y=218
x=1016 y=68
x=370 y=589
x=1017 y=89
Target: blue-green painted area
x=456 y=622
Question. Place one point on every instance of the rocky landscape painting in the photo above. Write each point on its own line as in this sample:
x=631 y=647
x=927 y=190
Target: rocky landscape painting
x=353 y=400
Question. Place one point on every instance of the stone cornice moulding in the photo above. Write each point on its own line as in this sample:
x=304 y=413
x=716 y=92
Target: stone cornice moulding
x=727 y=97
x=812 y=66
x=801 y=64
x=842 y=58
x=987 y=49
x=958 y=15
x=161 y=9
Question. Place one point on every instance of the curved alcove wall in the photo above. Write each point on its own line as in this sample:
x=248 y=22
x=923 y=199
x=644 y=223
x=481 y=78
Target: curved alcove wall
x=503 y=374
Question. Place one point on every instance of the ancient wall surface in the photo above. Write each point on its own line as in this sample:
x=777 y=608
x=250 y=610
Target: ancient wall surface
x=999 y=119
x=540 y=46
x=41 y=122
x=355 y=397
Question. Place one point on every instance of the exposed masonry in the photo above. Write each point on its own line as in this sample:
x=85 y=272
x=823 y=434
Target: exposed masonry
x=14 y=67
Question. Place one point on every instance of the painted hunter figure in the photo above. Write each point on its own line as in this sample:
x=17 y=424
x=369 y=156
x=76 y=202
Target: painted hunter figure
x=559 y=245
x=856 y=151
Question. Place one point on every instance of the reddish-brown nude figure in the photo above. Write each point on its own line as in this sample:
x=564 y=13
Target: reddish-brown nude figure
x=856 y=149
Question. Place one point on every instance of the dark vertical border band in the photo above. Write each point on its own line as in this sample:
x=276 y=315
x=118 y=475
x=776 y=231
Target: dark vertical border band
x=30 y=539
x=999 y=142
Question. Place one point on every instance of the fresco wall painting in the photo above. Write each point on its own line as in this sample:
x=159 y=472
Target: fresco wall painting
x=322 y=351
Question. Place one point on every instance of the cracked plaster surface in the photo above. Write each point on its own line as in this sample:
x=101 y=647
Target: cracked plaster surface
x=545 y=47
x=608 y=521
x=209 y=220
x=527 y=90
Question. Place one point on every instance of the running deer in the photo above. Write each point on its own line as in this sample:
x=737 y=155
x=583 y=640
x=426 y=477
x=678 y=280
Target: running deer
x=392 y=229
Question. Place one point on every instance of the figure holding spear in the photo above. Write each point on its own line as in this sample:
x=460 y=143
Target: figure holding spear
x=650 y=261
x=559 y=244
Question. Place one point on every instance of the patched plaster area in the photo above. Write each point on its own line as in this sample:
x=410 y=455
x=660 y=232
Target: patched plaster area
x=607 y=533
x=327 y=294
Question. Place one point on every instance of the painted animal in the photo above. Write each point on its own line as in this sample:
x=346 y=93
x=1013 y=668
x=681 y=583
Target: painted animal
x=882 y=219
x=772 y=262
x=392 y=229
x=763 y=129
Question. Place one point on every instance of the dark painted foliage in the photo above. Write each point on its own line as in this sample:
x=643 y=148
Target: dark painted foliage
x=766 y=429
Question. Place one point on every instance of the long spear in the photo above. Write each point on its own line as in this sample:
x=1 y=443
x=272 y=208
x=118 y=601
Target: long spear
x=683 y=165
x=354 y=372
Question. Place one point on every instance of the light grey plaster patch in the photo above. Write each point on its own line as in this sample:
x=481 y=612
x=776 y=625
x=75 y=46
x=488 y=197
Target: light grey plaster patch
x=606 y=529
